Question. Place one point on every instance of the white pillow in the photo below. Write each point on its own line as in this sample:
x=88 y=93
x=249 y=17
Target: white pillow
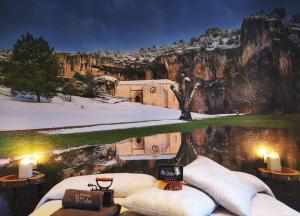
x=221 y=184
x=265 y=205
x=156 y=202
x=123 y=184
x=258 y=184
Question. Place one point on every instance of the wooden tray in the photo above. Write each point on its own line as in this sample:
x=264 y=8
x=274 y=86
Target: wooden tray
x=286 y=174
x=13 y=181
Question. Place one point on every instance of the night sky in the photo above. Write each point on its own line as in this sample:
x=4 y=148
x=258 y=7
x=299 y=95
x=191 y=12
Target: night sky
x=91 y=25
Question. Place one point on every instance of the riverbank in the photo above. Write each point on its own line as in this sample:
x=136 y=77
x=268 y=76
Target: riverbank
x=19 y=143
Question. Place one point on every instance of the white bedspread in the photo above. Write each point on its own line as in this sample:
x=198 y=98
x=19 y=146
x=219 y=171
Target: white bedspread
x=263 y=204
x=123 y=184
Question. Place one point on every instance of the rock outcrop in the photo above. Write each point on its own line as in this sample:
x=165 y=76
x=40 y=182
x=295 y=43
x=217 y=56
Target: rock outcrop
x=267 y=46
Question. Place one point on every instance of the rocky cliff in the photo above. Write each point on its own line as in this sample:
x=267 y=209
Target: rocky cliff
x=257 y=67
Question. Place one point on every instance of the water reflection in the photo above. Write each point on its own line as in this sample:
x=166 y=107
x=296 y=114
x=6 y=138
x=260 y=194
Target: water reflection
x=235 y=148
x=157 y=147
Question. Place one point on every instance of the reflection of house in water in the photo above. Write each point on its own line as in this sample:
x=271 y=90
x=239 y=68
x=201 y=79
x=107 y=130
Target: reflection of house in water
x=156 y=147
x=151 y=92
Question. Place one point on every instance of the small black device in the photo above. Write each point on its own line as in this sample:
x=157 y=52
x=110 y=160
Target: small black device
x=169 y=172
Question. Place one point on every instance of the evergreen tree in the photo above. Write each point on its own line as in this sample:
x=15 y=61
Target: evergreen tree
x=91 y=86
x=80 y=77
x=33 y=67
x=69 y=89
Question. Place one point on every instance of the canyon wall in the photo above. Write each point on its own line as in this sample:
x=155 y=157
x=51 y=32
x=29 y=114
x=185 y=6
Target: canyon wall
x=256 y=67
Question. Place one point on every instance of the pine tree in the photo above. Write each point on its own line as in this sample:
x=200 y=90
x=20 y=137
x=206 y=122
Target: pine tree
x=33 y=67
x=69 y=89
x=91 y=86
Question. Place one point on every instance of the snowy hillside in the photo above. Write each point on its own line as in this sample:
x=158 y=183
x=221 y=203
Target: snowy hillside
x=19 y=115
x=213 y=38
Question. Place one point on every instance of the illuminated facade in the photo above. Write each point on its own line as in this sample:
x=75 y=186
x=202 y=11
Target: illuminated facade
x=151 y=92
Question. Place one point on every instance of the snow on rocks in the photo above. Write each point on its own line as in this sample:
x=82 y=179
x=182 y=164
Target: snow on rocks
x=5 y=161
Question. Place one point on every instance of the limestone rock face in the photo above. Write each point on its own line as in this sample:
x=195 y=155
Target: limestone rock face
x=267 y=46
x=99 y=64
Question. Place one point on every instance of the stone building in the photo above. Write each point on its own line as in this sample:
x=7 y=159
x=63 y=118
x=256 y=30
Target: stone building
x=151 y=92
x=156 y=147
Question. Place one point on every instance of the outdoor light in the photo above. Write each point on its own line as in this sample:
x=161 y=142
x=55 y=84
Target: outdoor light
x=273 y=162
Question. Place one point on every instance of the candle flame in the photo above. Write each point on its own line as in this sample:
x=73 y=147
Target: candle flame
x=262 y=151
x=26 y=159
x=273 y=155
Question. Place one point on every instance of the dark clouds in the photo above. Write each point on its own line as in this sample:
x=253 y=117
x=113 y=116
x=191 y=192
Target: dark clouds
x=89 y=25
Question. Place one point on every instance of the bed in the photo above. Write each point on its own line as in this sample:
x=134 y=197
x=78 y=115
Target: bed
x=130 y=185
x=262 y=205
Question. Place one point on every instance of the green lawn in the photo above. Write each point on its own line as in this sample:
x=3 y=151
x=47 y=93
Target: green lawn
x=19 y=143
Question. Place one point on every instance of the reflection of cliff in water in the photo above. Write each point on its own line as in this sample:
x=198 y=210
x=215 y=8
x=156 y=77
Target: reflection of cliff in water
x=130 y=155
x=236 y=148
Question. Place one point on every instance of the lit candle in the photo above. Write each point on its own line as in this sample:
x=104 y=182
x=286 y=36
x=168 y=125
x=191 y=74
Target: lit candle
x=34 y=159
x=274 y=162
x=25 y=168
x=263 y=153
x=34 y=164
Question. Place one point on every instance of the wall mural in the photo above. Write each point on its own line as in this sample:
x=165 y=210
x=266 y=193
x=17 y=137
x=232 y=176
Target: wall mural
x=105 y=101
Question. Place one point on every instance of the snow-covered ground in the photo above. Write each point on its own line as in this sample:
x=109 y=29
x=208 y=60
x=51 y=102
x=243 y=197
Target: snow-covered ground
x=91 y=114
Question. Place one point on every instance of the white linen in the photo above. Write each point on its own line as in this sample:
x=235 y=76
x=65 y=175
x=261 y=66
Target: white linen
x=156 y=202
x=47 y=208
x=214 y=176
x=265 y=205
x=226 y=188
x=258 y=184
x=261 y=205
x=123 y=184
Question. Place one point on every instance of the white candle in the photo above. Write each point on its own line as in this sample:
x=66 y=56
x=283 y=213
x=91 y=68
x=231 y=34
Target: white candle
x=273 y=160
x=34 y=164
x=25 y=169
x=35 y=159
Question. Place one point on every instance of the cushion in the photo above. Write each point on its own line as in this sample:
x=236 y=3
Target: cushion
x=263 y=204
x=123 y=184
x=258 y=184
x=221 y=184
x=48 y=208
x=154 y=201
